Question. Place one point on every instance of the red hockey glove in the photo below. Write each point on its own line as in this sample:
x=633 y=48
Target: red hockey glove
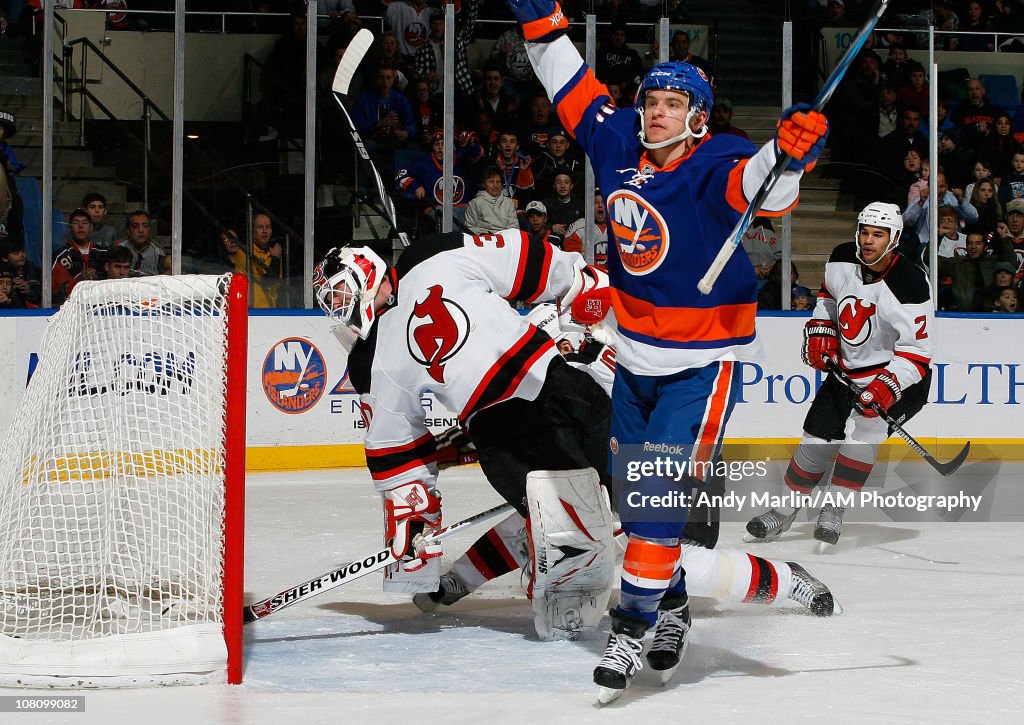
x=801 y=134
x=542 y=20
x=883 y=391
x=454 y=448
x=408 y=510
x=821 y=344
x=589 y=296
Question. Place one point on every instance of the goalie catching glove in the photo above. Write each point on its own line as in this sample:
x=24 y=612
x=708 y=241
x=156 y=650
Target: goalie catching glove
x=821 y=344
x=883 y=391
x=408 y=510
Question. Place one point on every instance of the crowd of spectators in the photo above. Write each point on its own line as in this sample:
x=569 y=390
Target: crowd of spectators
x=515 y=164
x=879 y=118
x=510 y=149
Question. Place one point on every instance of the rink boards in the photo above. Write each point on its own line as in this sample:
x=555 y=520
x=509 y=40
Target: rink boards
x=303 y=412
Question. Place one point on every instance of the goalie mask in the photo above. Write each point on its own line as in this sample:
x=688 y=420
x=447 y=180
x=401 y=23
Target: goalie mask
x=686 y=79
x=880 y=214
x=545 y=317
x=345 y=284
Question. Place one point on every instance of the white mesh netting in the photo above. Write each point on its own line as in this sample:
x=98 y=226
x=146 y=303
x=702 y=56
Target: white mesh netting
x=112 y=488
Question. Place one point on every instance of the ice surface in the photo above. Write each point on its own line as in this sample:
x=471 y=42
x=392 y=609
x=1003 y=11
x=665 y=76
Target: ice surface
x=931 y=633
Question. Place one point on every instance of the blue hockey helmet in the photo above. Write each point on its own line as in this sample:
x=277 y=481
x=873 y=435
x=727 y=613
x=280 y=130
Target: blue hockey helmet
x=682 y=77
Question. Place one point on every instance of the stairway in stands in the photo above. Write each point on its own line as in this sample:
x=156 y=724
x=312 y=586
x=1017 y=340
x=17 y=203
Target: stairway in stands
x=75 y=172
x=823 y=218
x=749 y=73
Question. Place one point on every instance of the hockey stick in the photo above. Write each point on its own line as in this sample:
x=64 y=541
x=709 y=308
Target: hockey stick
x=944 y=469
x=354 y=55
x=354 y=570
x=707 y=282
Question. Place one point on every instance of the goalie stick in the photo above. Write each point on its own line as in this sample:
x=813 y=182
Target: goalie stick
x=354 y=55
x=943 y=468
x=707 y=282
x=354 y=570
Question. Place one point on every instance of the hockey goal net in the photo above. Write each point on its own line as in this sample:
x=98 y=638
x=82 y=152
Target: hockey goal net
x=121 y=490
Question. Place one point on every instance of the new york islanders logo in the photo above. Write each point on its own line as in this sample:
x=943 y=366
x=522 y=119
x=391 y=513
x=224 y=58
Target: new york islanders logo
x=458 y=190
x=415 y=34
x=436 y=331
x=639 y=231
x=294 y=375
x=855 y=320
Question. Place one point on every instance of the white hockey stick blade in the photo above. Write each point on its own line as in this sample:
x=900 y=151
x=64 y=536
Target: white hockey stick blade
x=354 y=55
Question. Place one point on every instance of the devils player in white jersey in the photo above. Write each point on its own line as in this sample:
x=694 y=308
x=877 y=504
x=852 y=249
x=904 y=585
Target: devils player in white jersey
x=440 y=320
x=873 y=317
x=728 y=574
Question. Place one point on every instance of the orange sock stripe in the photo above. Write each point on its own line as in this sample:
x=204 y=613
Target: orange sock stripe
x=647 y=560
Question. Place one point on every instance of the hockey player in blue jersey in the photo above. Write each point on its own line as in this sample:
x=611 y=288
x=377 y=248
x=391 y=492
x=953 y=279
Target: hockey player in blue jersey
x=673 y=194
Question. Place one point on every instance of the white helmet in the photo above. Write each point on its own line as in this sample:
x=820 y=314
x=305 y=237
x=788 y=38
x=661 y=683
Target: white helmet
x=880 y=214
x=345 y=284
x=545 y=316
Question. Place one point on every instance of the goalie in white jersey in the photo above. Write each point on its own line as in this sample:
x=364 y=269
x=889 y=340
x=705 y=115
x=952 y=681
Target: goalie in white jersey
x=873 y=318
x=440 y=320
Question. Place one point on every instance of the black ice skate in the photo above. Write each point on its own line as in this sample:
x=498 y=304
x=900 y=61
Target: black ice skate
x=671 y=635
x=621 y=659
x=769 y=526
x=450 y=590
x=811 y=592
x=830 y=521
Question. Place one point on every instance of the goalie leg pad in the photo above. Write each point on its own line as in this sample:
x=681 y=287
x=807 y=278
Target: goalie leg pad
x=570 y=531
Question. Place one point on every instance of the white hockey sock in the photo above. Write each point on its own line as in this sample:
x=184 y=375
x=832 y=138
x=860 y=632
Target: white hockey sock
x=735 y=575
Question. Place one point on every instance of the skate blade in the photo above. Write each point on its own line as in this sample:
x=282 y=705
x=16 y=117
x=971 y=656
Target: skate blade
x=750 y=539
x=607 y=694
x=425 y=604
x=665 y=675
x=837 y=608
x=824 y=547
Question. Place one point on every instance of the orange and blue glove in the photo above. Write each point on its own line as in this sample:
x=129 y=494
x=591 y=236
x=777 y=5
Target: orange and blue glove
x=542 y=20
x=801 y=134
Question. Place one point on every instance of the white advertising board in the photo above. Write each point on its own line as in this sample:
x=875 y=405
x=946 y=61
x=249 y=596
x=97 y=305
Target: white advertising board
x=299 y=394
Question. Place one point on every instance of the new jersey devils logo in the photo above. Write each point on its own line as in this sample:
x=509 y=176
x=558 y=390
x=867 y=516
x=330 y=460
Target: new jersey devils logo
x=436 y=331
x=855 y=320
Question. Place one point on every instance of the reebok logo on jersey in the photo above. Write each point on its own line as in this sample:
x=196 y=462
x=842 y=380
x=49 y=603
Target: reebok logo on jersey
x=639 y=230
x=436 y=331
x=855 y=320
